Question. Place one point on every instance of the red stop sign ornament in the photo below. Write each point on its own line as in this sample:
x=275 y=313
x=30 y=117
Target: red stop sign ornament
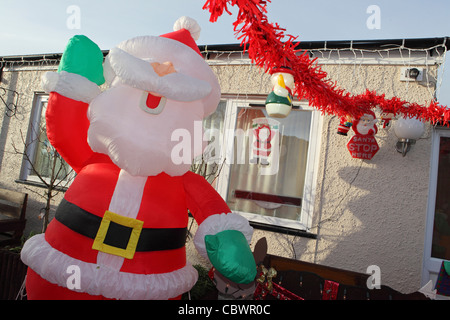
x=362 y=146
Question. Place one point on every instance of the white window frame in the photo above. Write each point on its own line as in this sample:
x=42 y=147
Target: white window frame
x=431 y=265
x=39 y=101
x=309 y=191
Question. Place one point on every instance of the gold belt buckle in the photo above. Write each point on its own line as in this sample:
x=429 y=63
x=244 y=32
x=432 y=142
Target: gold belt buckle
x=134 y=224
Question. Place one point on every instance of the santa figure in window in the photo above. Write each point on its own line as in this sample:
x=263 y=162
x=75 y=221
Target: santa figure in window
x=261 y=146
x=120 y=231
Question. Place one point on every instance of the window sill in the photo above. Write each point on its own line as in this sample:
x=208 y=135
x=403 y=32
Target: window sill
x=283 y=230
x=39 y=184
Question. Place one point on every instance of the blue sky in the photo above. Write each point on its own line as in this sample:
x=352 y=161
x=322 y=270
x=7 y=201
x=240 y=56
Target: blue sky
x=35 y=27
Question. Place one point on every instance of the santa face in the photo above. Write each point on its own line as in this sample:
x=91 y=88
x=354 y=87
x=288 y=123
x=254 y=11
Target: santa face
x=365 y=124
x=133 y=122
x=138 y=62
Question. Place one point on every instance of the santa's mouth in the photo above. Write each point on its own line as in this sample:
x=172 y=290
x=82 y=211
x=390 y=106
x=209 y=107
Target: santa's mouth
x=151 y=103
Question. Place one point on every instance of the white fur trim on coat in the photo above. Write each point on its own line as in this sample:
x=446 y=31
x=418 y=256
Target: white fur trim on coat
x=70 y=85
x=217 y=223
x=53 y=265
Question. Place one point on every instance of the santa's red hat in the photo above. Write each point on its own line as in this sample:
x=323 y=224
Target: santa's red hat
x=185 y=30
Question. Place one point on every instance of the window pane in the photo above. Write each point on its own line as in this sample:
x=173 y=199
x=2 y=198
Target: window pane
x=209 y=164
x=441 y=231
x=46 y=159
x=269 y=163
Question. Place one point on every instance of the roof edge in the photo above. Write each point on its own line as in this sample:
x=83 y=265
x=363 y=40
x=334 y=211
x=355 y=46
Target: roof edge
x=411 y=43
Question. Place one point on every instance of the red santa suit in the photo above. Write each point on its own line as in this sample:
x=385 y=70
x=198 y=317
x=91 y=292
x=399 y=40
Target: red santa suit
x=124 y=232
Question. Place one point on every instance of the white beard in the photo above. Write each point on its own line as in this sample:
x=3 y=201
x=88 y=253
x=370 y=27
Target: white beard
x=364 y=129
x=136 y=141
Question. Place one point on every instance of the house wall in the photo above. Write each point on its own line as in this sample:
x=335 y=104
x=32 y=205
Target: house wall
x=373 y=212
x=366 y=212
x=14 y=128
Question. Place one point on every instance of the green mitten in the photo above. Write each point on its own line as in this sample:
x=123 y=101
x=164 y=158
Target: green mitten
x=83 y=57
x=230 y=254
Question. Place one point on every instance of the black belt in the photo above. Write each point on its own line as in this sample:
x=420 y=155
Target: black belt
x=150 y=239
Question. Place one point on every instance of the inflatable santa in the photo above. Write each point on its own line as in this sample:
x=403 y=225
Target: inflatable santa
x=120 y=231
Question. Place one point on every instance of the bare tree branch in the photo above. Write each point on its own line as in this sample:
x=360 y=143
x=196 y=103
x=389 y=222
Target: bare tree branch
x=59 y=175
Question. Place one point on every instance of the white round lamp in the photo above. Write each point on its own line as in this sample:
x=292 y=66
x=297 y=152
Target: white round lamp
x=407 y=130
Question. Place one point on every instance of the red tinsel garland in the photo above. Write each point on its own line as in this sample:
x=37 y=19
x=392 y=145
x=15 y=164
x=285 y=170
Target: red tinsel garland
x=268 y=47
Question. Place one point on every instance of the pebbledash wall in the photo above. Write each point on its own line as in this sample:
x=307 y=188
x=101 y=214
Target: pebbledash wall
x=19 y=86
x=365 y=212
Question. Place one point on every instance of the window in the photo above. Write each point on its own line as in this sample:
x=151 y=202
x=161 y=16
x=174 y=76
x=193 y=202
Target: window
x=441 y=229
x=437 y=236
x=41 y=163
x=269 y=164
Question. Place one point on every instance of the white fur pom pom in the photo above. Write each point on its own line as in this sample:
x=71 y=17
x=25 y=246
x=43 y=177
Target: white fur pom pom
x=189 y=24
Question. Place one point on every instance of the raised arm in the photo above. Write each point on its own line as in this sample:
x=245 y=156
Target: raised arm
x=222 y=237
x=71 y=89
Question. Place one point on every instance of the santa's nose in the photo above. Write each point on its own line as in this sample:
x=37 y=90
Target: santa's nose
x=164 y=68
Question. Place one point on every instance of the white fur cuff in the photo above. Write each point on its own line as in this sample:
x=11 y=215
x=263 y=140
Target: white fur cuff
x=70 y=85
x=221 y=222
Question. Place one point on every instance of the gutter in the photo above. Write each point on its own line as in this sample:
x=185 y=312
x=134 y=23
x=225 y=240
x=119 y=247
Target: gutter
x=413 y=43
